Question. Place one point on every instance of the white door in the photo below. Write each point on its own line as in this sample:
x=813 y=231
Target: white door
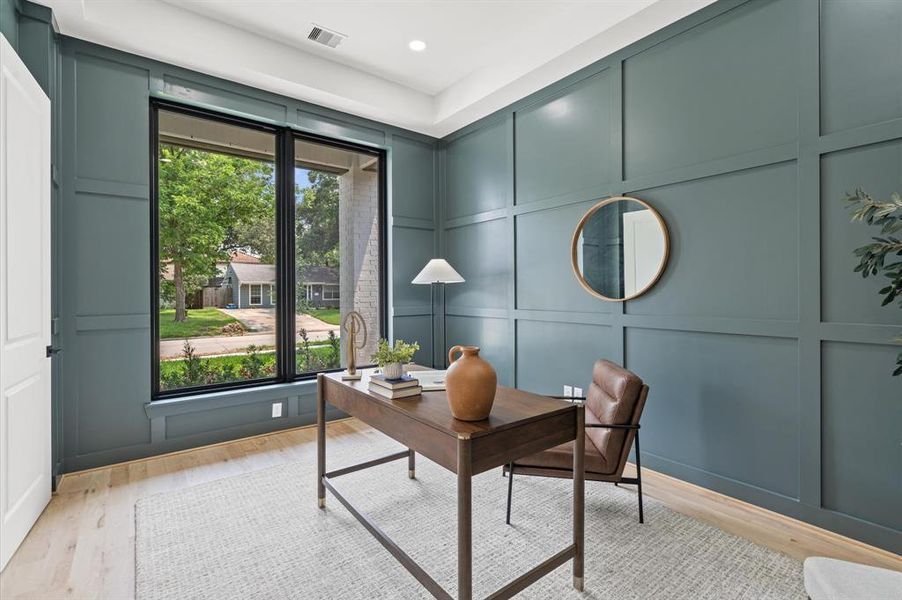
x=25 y=469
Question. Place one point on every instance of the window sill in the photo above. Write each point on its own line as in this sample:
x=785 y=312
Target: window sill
x=224 y=398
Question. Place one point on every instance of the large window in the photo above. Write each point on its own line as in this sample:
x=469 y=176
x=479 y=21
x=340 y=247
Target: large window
x=338 y=250
x=265 y=239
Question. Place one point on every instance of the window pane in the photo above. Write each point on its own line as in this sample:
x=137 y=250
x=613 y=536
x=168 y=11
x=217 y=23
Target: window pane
x=256 y=294
x=217 y=236
x=337 y=252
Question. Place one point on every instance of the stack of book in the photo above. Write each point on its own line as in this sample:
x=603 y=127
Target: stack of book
x=394 y=389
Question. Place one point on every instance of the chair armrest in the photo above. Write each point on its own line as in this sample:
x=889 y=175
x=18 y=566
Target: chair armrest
x=636 y=426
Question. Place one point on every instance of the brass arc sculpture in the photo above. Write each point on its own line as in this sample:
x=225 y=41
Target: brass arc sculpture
x=354 y=325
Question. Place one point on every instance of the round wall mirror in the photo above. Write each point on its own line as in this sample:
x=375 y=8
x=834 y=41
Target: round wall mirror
x=620 y=248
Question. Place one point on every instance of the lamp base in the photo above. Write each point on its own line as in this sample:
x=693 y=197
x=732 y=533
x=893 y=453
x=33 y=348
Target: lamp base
x=345 y=376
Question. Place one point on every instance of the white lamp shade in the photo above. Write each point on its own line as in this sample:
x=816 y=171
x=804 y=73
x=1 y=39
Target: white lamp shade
x=437 y=270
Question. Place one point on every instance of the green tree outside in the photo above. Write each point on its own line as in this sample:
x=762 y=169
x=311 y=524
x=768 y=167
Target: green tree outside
x=210 y=205
x=316 y=224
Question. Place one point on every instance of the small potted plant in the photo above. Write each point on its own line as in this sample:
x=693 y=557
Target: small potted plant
x=391 y=359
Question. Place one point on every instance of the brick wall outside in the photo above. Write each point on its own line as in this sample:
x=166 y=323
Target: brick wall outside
x=358 y=218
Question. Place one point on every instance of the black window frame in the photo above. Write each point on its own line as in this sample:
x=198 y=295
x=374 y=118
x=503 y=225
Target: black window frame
x=285 y=137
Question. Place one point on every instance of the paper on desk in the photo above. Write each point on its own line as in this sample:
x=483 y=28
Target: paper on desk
x=430 y=381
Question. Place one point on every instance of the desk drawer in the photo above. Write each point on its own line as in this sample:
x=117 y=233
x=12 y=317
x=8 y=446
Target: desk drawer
x=502 y=447
x=432 y=443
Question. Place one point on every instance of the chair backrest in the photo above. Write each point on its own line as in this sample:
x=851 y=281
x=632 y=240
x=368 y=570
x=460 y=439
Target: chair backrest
x=616 y=397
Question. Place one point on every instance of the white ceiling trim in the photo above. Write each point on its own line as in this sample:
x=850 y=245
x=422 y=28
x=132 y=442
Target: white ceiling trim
x=480 y=94
x=169 y=33
x=175 y=36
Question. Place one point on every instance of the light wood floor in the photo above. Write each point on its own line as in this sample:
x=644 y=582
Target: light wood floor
x=83 y=544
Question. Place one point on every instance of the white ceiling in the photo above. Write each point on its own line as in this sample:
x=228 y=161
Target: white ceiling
x=480 y=55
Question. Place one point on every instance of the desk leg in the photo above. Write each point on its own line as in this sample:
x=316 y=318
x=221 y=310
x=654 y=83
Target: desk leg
x=411 y=464
x=320 y=441
x=579 y=512
x=464 y=522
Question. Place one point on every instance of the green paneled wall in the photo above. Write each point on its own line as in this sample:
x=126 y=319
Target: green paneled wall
x=581 y=343
x=9 y=22
x=104 y=277
x=879 y=167
x=724 y=404
x=473 y=166
x=729 y=212
x=542 y=285
x=481 y=246
x=769 y=360
x=862 y=474
x=577 y=124
x=668 y=75
x=861 y=63
x=490 y=334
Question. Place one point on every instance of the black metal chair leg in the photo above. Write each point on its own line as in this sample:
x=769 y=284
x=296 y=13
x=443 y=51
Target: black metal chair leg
x=510 y=487
x=639 y=478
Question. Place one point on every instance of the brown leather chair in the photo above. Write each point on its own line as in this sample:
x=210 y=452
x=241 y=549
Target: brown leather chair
x=614 y=405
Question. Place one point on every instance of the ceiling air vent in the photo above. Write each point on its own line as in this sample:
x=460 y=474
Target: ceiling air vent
x=324 y=36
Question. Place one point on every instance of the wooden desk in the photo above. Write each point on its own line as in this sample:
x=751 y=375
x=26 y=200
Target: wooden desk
x=520 y=424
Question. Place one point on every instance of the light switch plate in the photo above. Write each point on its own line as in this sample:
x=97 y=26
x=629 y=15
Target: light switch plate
x=578 y=392
x=276 y=410
x=568 y=391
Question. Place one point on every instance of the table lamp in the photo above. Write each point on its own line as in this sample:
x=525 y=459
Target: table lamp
x=436 y=270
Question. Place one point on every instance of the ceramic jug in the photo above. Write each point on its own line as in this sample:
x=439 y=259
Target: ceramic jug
x=470 y=383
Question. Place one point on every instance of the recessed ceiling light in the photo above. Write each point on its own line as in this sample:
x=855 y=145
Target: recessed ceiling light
x=417 y=45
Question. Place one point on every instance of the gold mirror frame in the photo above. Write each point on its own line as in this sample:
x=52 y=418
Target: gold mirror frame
x=575 y=241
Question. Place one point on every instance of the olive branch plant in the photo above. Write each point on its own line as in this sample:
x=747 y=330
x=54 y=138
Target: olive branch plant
x=884 y=254
x=401 y=352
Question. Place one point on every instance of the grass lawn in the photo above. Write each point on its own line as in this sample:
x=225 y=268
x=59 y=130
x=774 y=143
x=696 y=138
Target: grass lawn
x=201 y=322
x=332 y=316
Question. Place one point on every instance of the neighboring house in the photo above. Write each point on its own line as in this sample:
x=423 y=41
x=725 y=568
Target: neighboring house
x=246 y=282
x=214 y=292
x=253 y=285
x=319 y=286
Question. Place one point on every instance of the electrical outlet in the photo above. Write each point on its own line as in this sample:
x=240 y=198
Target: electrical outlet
x=577 y=392
x=276 y=410
x=568 y=391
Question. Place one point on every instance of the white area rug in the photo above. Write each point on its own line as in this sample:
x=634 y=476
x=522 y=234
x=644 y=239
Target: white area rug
x=260 y=535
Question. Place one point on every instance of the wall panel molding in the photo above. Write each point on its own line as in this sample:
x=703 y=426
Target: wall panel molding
x=589 y=194
x=732 y=326
x=102 y=187
x=860 y=136
x=732 y=164
x=111 y=322
x=411 y=311
x=861 y=333
x=556 y=316
x=339 y=128
x=469 y=311
x=479 y=217
x=412 y=223
x=206 y=94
